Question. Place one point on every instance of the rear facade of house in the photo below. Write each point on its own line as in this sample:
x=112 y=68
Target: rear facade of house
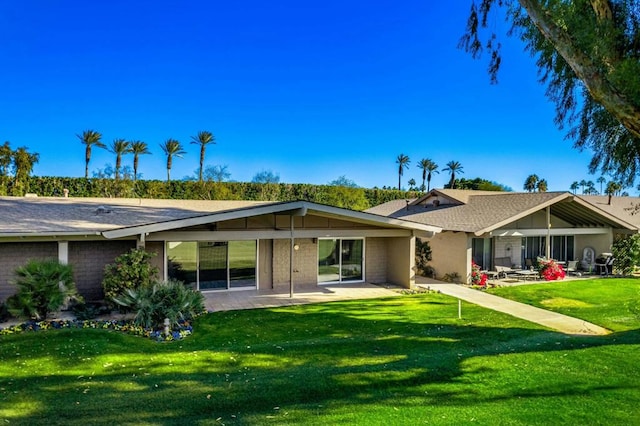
x=241 y=246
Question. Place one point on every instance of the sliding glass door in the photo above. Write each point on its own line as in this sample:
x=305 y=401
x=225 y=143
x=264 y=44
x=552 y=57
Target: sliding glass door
x=213 y=265
x=340 y=260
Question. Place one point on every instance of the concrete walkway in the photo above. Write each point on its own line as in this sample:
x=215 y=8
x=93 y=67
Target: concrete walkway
x=553 y=320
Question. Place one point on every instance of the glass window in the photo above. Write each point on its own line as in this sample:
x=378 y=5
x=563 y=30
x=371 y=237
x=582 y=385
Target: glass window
x=351 y=260
x=182 y=262
x=242 y=263
x=213 y=265
x=481 y=252
x=328 y=261
x=340 y=260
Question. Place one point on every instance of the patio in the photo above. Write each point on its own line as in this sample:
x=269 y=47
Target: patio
x=268 y=298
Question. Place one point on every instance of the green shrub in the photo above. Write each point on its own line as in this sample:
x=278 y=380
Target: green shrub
x=170 y=299
x=4 y=312
x=423 y=257
x=626 y=251
x=43 y=287
x=87 y=311
x=130 y=270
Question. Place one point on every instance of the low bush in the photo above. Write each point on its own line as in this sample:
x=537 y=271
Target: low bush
x=86 y=311
x=170 y=299
x=4 y=312
x=43 y=287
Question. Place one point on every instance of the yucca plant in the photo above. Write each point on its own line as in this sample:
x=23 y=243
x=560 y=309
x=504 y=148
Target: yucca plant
x=168 y=299
x=43 y=287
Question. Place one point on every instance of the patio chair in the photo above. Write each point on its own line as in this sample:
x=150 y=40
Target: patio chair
x=502 y=265
x=572 y=267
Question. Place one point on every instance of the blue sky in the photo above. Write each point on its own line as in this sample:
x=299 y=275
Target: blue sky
x=309 y=90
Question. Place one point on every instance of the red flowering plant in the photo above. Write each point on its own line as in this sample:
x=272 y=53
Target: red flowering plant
x=550 y=270
x=477 y=276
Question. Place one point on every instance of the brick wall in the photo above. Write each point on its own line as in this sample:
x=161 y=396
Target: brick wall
x=305 y=264
x=13 y=255
x=89 y=258
x=376 y=260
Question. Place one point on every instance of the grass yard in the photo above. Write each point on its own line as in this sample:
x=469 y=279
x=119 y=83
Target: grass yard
x=613 y=303
x=403 y=360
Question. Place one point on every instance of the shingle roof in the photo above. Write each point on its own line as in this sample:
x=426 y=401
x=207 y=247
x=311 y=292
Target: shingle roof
x=115 y=218
x=484 y=211
x=92 y=215
x=627 y=208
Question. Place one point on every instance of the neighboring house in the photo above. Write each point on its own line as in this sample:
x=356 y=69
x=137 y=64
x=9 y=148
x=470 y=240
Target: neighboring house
x=212 y=245
x=518 y=227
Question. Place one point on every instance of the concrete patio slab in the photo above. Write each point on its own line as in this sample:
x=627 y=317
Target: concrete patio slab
x=252 y=299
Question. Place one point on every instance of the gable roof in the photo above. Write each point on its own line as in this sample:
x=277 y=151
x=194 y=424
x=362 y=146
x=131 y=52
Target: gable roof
x=295 y=208
x=479 y=212
x=121 y=217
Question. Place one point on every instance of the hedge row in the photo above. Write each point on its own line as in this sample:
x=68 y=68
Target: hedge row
x=339 y=196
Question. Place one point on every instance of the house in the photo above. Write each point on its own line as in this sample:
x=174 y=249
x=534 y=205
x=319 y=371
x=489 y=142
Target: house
x=487 y=226
x=212 y=245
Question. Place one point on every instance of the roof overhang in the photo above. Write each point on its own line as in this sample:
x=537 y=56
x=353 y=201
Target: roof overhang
x=293 y=208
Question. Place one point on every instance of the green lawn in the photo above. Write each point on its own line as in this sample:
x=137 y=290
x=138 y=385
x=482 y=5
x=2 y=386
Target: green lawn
x=403 y=360
x=608 y=302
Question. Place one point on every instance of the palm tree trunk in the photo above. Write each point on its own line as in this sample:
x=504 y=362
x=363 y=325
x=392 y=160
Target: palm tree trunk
x=87 y=158
x=118 y=165
x=201 y=162
x=135 y=167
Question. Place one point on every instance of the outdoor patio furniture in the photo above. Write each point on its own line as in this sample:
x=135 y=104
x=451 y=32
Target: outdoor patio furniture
x=604 y=264
x=572 y=267
x=526 y=274
x=503 y=266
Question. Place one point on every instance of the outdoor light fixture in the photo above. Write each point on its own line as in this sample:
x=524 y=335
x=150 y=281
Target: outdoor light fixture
x=296 y=247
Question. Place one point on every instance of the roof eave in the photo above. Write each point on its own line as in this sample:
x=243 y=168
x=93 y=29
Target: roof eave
x=295 y=208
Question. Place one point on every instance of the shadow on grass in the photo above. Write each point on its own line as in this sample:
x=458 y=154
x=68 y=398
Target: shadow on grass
x=337 y=357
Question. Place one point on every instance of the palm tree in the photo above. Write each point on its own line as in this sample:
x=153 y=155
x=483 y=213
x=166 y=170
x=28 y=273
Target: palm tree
x=403 y=162
x=119 y=147
x=138 y=148
x=574 y=186
x=531 y=183
x=453 y=167
x=428 y=168
x=542 y=185
x=582 y=184
x=612 y=189
x=601 y=180
x=172 y=148
x=203 y=139
x=90 y=138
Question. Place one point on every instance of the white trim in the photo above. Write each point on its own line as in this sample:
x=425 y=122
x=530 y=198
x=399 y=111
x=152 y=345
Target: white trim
x=251 y=234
